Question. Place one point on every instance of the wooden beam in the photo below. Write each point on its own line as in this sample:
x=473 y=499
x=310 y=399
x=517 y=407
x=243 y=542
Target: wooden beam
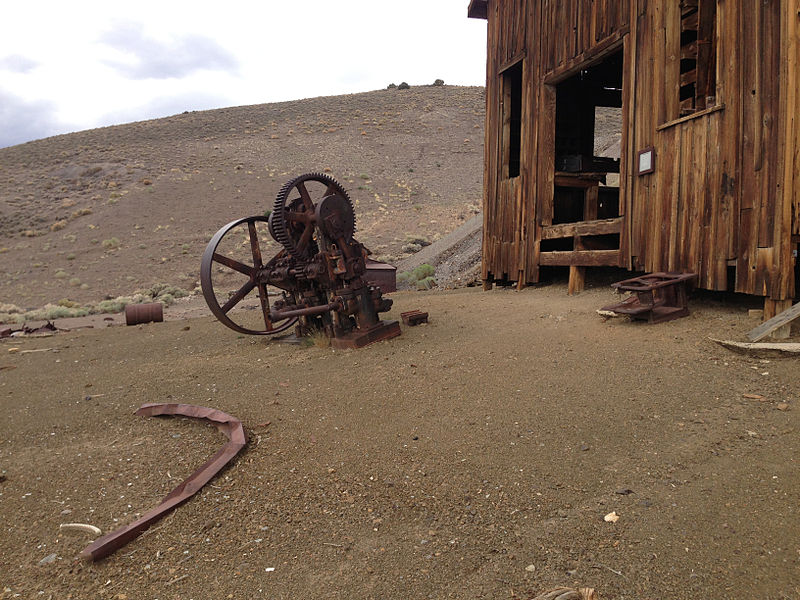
x=694 y=115
x=477 y=9
x=580 y=258
x=782 y=319
x=577 y=280
x=591 y=56
x=598 y=227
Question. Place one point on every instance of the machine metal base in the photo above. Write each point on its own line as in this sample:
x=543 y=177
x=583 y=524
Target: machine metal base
x=382 y=331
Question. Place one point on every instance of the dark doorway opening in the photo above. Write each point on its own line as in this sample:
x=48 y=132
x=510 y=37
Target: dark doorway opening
x=588 y=141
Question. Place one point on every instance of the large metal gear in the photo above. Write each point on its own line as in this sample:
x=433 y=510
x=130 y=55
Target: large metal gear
x=321 y=273
x=294 y=223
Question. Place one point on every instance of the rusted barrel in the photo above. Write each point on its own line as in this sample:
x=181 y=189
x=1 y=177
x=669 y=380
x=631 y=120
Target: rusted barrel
x=152 y=312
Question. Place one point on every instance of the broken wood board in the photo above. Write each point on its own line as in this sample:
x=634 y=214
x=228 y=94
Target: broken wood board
x=767 y=327
x=762 y=349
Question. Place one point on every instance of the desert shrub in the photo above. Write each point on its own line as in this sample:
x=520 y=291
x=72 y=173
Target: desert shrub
x=158 y=290
x=406 y=277
x=81 y=213
x=422 y=271
x=58 y=225
x=109 y=306
x=415 y=243
x=403 y=86
x=391 y=86
x=118 y=304
x=10 y=309
x=60 y=274
x=421 y=278
x=438 y=82
x=66 y=302
x=74 y=282
x=318 y=339
x=111 y=243
x=53 y=311
x=426 y=283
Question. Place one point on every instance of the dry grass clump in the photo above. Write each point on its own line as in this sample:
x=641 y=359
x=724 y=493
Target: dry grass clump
x=318 y=339
x=421 y=278
x=65 y=308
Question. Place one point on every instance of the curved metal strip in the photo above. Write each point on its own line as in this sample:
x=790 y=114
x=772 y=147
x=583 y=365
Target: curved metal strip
x=237 y=439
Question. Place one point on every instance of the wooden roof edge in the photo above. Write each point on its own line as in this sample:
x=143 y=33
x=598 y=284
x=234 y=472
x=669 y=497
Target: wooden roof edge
x=478 y=9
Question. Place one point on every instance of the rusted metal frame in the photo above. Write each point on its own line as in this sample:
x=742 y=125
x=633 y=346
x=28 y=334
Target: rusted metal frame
x=414 y=317
x=230 y=426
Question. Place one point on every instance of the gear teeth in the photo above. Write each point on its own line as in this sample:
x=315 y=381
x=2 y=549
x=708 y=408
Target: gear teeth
x=279 y=229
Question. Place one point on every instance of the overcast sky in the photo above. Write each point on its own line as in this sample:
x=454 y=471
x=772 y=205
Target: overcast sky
x=67 y=66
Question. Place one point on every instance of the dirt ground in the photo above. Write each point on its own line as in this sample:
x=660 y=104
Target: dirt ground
x=473 y=457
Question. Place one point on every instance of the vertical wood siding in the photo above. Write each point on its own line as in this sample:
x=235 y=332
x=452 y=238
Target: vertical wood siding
x=726 y=189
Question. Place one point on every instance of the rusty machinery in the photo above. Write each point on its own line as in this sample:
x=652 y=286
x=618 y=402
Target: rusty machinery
x=320 y=271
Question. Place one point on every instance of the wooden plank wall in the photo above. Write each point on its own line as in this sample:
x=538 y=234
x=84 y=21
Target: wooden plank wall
x=504 y=229
x=528 y=27
x=791 y=18
x=715 y=197
x=726 y=190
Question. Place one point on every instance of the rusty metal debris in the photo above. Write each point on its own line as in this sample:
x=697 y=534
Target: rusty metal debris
x=414 y=317
x=45 y=330
x=658 y=297
x=228 y=425
x=325 y=281
x=150 y=312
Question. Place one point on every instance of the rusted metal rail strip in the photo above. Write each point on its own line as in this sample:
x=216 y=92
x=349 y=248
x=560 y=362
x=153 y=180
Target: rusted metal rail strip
x=228 y=425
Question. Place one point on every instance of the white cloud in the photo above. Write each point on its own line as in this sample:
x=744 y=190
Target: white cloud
x=17 y=63
x=22 y=121
x=155 y=59
x=94 y=63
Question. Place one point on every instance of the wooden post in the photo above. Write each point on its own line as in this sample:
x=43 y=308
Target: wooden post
x=487 y=285
x=577 y=279
x=776 y=307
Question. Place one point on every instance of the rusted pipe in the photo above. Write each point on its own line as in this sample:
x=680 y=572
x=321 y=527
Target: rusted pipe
x=304 y=312
x=228 y=425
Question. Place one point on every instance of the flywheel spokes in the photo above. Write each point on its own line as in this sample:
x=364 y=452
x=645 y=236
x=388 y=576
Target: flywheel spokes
x=232 y=263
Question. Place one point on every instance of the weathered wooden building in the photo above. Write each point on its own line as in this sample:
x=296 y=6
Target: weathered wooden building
x=707 y=178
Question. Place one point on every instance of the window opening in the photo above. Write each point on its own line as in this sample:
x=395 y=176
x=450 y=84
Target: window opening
x=512 y=119
x=698 y=64
x=587 y=144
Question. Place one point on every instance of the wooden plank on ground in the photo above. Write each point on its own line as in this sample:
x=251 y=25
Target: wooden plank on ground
x=767 y=327
x=762 y=350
